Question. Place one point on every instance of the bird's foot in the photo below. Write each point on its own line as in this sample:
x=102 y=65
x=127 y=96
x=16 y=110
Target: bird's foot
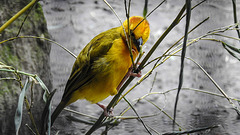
x=129 y=73
x=107 y=113
x=133 y=73
x=136 y=74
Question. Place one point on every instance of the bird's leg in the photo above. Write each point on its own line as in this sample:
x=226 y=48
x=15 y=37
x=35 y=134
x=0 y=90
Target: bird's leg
x=129 y=73
x=107 y=113
x=138 y=70
x=138 y=74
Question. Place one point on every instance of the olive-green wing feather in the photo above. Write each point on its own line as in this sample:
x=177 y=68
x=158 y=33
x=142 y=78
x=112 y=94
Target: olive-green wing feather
x=82 y=72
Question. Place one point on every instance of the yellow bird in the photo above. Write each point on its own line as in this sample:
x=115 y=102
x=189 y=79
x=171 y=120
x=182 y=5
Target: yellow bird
x=103 y=63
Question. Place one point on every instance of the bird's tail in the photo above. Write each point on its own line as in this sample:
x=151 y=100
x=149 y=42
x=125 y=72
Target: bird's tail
x=57 y=111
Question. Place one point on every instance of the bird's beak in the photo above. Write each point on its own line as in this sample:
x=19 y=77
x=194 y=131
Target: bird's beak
x=139 y=42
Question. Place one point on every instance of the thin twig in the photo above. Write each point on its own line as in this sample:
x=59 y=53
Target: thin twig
x=226 y=36
x=139 y=118
x=174 y=23
x=191 y=131
x=126 y=35
x=49 y=40
x=5 y=25
x=31 y=95
x=30 y=129
x=31 y=115
x=8 y=78
x=29 y=11
x=154 y=80
x=163 y=112
x=155 y=8
x=78 y=113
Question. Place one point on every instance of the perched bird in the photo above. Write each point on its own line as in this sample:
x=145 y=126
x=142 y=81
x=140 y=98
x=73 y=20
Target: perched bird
x=101 y=66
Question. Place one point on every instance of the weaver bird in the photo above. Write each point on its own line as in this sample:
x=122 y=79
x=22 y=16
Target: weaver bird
x=103 y=63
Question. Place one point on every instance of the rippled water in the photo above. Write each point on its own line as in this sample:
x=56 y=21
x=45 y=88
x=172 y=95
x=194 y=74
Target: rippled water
x=74 y=23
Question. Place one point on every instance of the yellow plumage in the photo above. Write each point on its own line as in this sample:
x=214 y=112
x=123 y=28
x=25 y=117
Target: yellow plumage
x=103 y=63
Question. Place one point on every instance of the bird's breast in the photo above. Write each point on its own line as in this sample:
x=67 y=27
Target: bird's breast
x=110 y=70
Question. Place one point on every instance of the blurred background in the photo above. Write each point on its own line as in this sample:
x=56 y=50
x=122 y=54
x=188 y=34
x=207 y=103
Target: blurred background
x=73 y=23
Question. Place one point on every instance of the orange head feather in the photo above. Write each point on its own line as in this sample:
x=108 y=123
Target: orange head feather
x=139 y=29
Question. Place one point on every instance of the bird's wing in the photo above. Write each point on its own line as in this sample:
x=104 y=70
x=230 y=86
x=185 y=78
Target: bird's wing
x=82 y=72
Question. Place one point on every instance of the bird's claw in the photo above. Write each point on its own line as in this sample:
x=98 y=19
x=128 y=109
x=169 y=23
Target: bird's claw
x=107 y=113
x=136 y=74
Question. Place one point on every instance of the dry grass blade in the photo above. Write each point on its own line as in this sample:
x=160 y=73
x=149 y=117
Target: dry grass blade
x=188 y=9
x=145 y=9
x=46 y=115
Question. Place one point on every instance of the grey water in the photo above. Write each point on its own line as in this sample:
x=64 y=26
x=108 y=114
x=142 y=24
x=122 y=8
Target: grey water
x=74 y=23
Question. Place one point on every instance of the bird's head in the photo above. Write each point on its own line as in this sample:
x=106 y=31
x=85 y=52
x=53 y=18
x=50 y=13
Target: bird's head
x=139 y=30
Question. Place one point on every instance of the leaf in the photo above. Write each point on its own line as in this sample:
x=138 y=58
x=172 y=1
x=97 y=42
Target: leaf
x=46 y=115
x=18 y=114
x=232 y=48
x=49 y=108
x=235 y=16
x=46 y=91
x=225 y=45
x=145 y=8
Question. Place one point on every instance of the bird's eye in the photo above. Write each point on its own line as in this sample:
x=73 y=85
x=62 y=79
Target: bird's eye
x=132 y=34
